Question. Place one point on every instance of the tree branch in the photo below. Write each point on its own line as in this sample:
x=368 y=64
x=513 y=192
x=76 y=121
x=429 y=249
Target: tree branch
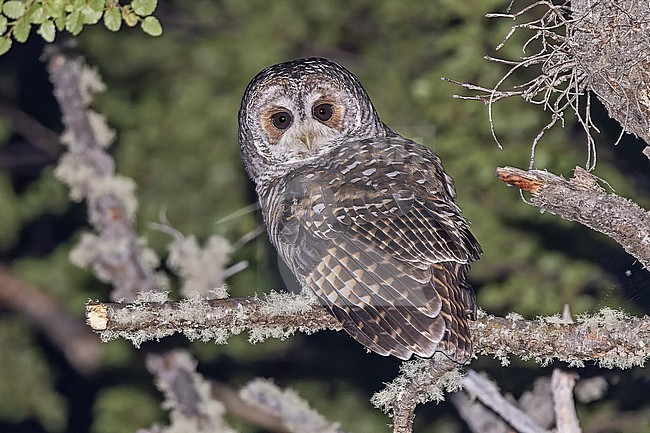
x=294 y=412
x=582 y=199
x=610 y=338
x=566 y=419
x=67 y=332
x=578 y=48
x=115 y=253
x=488 y=394
x=419 y=381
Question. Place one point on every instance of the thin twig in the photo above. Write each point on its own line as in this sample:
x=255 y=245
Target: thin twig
x=487 y=393
x=566 y=419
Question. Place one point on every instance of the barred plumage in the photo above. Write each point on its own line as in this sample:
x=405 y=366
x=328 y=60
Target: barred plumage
x=363 y=217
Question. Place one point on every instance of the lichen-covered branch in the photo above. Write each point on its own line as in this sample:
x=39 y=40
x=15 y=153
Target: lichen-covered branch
x=610 y=338
x=611 y=44
x=578 y=48
x=419 y=381
x=276 y=315
x=246 y=411
x=199 y=405
x=296 y=414
x=115 y=253
x=582 y=199
x=188 y=396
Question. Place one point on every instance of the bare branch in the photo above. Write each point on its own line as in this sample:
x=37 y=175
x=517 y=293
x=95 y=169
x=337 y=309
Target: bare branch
x=38 y=135
x=488 y=394
x=566 y=419
x=478 y=418
x=246 y=411
x=609 y=338
x=115 y=253
x=79 y=346
x=295 y=413
x=582 y=199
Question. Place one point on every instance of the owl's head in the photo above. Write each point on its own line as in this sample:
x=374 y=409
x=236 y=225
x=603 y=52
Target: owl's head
x=294 y=112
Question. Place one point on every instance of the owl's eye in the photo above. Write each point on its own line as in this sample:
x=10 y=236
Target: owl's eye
x=323 y=112
x=281 y=120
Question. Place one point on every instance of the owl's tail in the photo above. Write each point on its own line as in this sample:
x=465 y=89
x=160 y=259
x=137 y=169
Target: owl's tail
x=439 y=324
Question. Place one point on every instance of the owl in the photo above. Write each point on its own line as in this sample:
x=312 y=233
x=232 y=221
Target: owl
x=363 y=217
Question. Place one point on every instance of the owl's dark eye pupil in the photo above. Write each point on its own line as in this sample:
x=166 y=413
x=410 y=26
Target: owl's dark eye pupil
x=323 y=112
x=281 y=120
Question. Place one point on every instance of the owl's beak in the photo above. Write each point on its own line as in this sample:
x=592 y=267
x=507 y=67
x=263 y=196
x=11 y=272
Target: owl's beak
x=307 y=140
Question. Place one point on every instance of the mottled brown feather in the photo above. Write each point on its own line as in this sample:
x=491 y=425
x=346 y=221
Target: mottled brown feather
x=387 y=255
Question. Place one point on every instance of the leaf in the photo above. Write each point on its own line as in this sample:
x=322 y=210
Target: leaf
x=91 y=16
x=21 y=30
x=3 y=24
x=37 y=15
x=152 y=26
x=130 y=19
x=5 y=44
x=96 y=5
x=113 y=19
x=74 y=23
x=47 y=31
x=13 y=9
x=53 y=9
x=59 y=21
x=144 y=7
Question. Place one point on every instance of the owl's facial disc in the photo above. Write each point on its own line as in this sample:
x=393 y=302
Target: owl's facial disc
x=301 y=121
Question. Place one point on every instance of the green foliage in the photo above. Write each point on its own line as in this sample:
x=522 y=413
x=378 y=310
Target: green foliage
x=124 y=409
x=26 y=383
x=51 y=16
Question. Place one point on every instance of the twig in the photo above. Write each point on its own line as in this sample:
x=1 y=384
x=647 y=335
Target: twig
x=246 y=411
x=582 y=199
x=44 y=139
x=79 y=346
x=478 y=418
x=584 y=47
x=566 y=419
x=487 y=392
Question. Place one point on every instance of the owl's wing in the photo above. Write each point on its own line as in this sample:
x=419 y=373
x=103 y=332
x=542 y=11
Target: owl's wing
x=385 y=249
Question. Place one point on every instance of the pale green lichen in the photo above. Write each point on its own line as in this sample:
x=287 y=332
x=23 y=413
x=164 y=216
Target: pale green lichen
x=260 y=334
x=74 y=172
x=123 y=188
x=418 y=372
x=104 y=135
x=280 y=304
x=201 y=268
x=514 y=317
x=206 y=412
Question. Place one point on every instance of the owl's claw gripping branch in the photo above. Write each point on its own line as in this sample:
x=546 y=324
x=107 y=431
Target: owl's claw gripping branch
x=581 y=198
